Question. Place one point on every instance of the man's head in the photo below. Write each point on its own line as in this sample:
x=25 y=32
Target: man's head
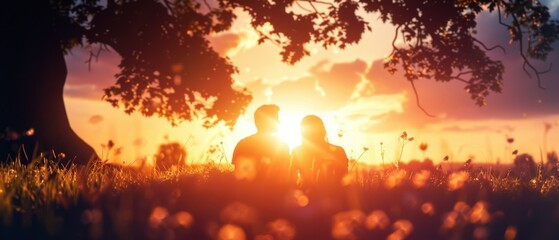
x=266 y=118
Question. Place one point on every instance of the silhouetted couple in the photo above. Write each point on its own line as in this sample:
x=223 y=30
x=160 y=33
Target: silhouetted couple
x=264 y=156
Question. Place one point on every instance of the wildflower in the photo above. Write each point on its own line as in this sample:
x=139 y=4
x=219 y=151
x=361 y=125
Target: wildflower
x=510 y=140
x=423 y=146
x=404 y=135
x=515 y=152
x=445 y=158
x=110 y=144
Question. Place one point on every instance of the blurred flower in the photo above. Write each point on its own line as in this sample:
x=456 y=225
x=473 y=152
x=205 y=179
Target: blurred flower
x=158 y=214
x=428 y=208
x=423 y=146
x=510 y=140
x=515 y=152
x=299 y=198
x=30 y=132
x=395 y=178
x=344 y=224
x=377 y=219
x=449 y=220
x=456 y=180
x=445 y=158
x=479 y=213
x=231 y=232
x=461 y=207
x=404 y=226
x=238 y=213
x=510 y=233
x=420 y=179
x=481 y=233
x=281 y=229
x=183 y=219
x=397 y=235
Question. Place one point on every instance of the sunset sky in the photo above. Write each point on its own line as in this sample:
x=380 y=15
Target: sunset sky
x=361 y=103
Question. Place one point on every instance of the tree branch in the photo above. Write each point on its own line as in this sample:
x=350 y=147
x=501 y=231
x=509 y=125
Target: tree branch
x=459 y=76
x=521 y=50
x=491 y=48
x=95 y=55
x=417 y=99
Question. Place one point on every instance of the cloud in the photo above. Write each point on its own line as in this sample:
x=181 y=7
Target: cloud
x=234 y=42
x=95 y=119
x=223 y=43
x=85 y=82
x=458 y=128
x=327 y=87
x=520 y=97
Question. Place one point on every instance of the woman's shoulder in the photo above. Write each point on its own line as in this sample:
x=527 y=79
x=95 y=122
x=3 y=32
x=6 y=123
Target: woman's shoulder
x=298 y=148
x=335 y=148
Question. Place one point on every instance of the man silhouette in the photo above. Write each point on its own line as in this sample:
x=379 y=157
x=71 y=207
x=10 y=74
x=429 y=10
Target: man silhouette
x=262 y=155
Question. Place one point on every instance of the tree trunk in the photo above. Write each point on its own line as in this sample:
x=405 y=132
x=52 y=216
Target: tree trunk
x=32 y=77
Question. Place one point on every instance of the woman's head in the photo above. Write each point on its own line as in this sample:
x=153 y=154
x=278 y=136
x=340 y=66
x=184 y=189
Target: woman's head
x=312 y=129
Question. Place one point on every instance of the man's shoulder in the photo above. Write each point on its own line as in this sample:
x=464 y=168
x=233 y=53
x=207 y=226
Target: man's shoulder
x=257 y=139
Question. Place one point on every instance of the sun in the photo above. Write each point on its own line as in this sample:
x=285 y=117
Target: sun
x=289 y=129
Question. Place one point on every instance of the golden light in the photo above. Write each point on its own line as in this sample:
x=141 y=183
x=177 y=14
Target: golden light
x=289 y=129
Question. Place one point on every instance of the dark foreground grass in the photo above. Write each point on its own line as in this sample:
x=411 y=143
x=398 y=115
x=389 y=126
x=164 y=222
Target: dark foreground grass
x=41 y=201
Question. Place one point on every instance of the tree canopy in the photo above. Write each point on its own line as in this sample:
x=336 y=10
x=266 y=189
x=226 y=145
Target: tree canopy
x=170 y=69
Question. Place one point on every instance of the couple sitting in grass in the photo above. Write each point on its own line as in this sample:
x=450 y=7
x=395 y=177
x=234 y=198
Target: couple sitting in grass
x=264 y=156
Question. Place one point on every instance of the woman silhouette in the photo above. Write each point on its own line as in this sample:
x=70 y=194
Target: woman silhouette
x=316 y=160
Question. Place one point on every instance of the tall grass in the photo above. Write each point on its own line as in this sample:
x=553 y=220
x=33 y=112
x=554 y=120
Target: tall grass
x=100 y=201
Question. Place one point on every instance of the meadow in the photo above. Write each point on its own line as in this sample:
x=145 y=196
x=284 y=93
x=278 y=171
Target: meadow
x=210 y=201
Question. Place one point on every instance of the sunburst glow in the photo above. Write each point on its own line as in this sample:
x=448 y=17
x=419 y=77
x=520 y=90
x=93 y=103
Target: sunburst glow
x=290 y=130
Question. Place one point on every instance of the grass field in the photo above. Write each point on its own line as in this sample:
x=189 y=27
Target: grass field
x=43 y=201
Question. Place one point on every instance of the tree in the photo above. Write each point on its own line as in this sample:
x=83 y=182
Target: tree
x=169 y=69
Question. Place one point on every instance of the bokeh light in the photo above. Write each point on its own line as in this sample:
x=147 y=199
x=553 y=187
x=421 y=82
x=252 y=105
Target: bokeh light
x=231 y=232
x=377 y=219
